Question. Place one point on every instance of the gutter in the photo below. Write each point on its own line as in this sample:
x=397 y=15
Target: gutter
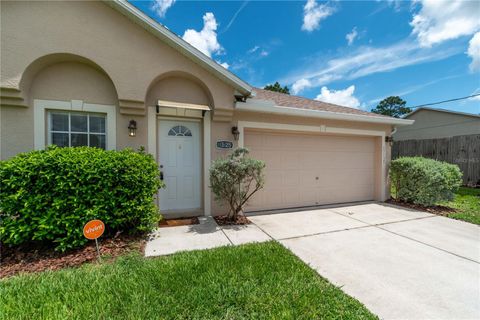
x=267 y=106
x=178 y=43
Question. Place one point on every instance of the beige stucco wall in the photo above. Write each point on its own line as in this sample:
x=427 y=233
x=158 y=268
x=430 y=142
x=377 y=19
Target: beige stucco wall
x=430 y=124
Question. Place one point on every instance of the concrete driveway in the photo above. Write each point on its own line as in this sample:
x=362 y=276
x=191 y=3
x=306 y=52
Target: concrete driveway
x=402 y=264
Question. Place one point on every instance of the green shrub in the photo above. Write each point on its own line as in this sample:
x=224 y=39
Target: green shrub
x=235 y=180
x=49 y=195
x=424 y=181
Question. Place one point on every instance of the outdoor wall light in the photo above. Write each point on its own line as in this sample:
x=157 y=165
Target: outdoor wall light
x=235 y=133
x=389 y=140
x=132 y=128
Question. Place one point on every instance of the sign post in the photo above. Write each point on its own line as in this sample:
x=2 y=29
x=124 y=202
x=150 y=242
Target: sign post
x=92 y=230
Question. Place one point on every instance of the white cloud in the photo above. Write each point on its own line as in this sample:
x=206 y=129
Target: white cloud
x=441 y=20
x=343 y=97
x=313 y=13
x=474 y=52
x=264 y=53
x=300 y=85
x=223 y=64
x=321 y=70
x=206 y=39
x=161 y=6
x=351 y=36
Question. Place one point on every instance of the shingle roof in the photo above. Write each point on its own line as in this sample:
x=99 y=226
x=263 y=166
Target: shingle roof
x=285 y=100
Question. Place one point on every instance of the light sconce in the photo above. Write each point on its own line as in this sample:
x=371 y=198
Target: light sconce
x=235 y=133
x=389 y=139
x=132 y=128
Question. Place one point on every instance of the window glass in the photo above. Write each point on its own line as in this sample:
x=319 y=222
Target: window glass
x=78 y=122
x=180 y=131
x=97 y=140
x=97 y=124
x=77 y=129
x=60 y=139
x=79 y=139
x=59 y=121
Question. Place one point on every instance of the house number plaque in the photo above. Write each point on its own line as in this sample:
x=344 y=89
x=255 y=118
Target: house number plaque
x=224 y=144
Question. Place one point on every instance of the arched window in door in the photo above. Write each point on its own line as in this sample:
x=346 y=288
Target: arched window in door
x=180 y=131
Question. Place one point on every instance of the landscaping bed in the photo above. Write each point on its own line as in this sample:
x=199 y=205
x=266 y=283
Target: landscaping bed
x=436 y=209
x=251 y=281
x=225 y=221
x=37 y=258
x=465 y=206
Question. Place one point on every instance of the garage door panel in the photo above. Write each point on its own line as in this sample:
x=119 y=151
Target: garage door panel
x=344 y=165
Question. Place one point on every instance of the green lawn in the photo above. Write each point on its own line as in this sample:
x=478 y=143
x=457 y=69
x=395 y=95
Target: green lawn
x=257 y=281
x=467 y=204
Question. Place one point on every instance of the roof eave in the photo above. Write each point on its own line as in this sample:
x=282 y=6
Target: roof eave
x=441 y=110
x=176 y=42
x=267 y=106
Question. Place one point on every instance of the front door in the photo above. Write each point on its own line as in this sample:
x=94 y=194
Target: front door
x=179 y=161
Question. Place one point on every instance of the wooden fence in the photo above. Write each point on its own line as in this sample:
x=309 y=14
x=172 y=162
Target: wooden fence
x=463 y=151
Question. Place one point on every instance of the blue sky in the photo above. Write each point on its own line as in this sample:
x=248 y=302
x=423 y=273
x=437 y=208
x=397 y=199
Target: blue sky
x=353 y=53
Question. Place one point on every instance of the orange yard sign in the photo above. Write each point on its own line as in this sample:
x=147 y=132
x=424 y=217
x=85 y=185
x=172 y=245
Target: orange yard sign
x=93 y=229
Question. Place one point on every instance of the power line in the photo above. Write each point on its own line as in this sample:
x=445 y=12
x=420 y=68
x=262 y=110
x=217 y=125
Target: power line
x=444 y=101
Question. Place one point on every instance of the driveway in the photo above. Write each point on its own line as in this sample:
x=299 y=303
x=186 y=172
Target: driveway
x=400 y=263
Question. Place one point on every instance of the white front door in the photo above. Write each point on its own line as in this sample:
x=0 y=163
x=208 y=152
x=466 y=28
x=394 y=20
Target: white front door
x=179 y=161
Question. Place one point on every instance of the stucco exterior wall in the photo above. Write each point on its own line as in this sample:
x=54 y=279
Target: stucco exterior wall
x=430 y=124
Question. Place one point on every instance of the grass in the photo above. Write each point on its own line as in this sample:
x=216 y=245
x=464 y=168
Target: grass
x=256 y=281
x=467 y=204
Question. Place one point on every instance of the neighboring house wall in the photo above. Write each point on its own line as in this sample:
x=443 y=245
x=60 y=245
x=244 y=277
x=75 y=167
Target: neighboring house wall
x=431 y=124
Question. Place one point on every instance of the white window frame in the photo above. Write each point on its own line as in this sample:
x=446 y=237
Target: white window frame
x=70 y=132
x=40 y=119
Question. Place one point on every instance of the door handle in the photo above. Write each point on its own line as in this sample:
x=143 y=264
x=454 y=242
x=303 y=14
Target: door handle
x=161 y=175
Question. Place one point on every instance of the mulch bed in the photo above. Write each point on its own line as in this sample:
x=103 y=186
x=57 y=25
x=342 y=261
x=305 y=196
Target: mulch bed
x=224 y=221
x=438 y=210
x=36 y=258
x=178 y=222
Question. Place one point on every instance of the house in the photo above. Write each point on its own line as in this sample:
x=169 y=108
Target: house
x=438 y=123
x=104 y=74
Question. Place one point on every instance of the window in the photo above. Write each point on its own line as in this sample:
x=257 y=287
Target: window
x=69 y=129
x=180 y=131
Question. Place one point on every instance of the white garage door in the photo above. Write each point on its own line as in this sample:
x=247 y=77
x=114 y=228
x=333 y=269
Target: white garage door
x=311 y=169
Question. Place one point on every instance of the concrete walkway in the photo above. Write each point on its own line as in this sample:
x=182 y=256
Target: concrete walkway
x=205 y=235
x=401 y=263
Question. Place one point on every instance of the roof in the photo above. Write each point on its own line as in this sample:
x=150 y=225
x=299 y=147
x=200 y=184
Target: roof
x=286 y=100
x=264 y=101
x=442 y=110
x=160 y=31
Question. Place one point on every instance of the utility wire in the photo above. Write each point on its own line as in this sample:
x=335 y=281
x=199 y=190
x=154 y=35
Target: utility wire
x=444 y=101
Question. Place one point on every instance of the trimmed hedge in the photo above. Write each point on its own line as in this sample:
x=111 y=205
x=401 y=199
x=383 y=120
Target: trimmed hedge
x=49 y=195
x=424 y=181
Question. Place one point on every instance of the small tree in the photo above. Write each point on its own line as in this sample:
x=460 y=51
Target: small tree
x=277 y=88
x=392 y=106
x=235 y=180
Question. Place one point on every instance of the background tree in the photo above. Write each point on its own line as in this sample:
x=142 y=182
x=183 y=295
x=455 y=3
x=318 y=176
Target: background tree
x=277 y=87
x=392 y=106
x=235 y=179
